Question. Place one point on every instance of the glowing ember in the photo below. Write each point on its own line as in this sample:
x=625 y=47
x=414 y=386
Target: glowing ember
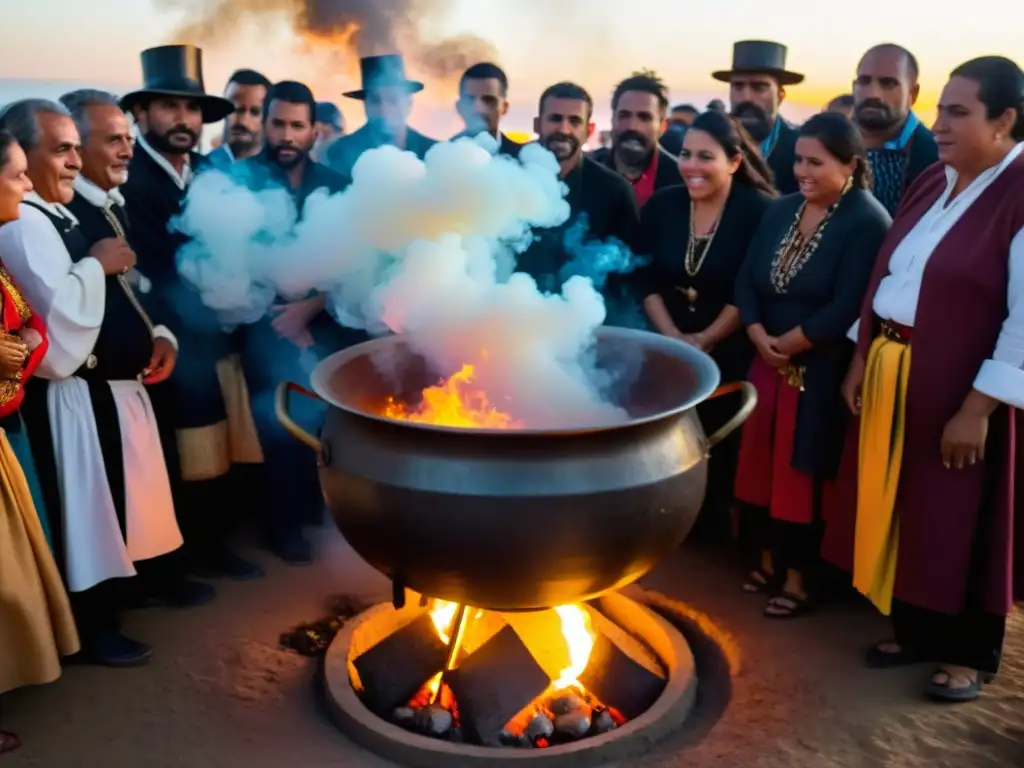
x=453 y=403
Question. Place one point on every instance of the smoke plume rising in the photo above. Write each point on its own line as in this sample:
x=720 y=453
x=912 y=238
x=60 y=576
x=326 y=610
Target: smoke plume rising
x=423 y=248
x=359 y=27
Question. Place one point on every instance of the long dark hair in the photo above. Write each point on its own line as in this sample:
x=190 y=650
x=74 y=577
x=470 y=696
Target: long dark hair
x=6 y=142
x=736 y=142
x=1000 y=87
x=841 y=139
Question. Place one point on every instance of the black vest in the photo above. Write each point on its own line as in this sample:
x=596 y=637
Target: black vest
x=124 y=346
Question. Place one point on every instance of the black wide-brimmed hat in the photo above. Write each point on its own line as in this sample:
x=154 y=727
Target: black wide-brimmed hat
x=759 y=57
x=380 y=71
x=177 y=70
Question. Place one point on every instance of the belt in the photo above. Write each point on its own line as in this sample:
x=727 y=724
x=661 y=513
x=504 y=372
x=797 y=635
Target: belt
x=896 y=332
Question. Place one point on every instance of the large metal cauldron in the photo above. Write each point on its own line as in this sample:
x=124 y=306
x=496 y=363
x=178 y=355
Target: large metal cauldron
x=523 y=519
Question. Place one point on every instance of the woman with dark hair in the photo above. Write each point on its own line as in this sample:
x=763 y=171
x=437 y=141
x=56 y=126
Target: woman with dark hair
x=800 y=288
x=938 y=381
x=696 y=235
x=36 y=625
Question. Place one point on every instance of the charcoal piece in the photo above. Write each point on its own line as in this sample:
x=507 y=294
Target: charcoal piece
x=395 y=669
x=619 y=682
x=603 y=722
x=497 y=682
x=575 y=725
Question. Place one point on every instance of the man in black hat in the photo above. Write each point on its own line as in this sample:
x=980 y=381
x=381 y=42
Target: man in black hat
x=387 y=96
x=274 y=348
x=601 y=202
x=483 y=102
x=330 y=126
x=639 y=106
x=243 y=135
x=757 y=87
x=205 y=402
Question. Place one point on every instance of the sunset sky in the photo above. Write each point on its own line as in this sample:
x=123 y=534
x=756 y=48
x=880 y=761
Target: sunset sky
x=594 y=42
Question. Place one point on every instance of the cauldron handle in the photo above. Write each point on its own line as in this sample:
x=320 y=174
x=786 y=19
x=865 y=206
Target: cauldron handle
x=749 y=403
x=281 y=411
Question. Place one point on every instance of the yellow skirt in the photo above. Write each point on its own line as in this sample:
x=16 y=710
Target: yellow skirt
x=36 y=625
x=208 y=452
x=882 y=430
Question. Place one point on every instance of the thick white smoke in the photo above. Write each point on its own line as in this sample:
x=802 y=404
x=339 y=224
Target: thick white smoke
x=423 y=248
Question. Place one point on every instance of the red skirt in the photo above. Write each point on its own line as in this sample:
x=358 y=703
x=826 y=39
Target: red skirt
x=765 y=476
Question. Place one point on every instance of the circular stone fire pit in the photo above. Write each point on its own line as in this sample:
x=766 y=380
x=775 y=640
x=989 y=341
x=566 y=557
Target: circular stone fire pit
x=640 y=664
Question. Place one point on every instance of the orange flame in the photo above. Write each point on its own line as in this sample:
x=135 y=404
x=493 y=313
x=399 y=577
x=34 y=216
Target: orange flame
x=579 y=639
x=577 y=635
x=453 y=403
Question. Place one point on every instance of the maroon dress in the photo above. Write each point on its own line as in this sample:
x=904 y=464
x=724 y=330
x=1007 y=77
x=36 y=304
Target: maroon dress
x=961 y=544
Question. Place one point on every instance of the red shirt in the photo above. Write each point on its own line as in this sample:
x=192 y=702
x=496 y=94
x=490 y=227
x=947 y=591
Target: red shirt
x=643 y=187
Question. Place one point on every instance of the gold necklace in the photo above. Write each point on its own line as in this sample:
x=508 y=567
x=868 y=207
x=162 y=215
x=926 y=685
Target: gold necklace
x=692 y=263
x=795 y=250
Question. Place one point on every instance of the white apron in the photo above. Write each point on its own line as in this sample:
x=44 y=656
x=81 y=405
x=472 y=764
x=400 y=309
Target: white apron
x=94 y=547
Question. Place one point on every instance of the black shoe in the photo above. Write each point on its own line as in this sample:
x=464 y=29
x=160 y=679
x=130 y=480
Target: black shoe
x=293 y=548
x=112 y=649
x=188 y=594
x=230 y=566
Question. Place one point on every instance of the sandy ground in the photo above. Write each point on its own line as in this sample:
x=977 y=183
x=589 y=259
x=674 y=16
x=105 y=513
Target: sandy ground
x=220 y=693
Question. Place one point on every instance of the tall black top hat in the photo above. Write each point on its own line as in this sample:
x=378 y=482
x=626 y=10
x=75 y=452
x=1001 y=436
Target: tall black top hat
x=378 y=71
x=177 y=70
x=759 y=57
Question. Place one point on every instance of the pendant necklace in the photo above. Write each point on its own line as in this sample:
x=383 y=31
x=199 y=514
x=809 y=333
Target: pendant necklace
x=695 y=256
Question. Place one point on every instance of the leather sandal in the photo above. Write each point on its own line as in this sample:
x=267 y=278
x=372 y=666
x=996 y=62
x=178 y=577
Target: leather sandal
x=758 y=581
x=943 y=692
x=787 y=605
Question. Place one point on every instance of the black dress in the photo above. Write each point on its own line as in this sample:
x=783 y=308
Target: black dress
x=824 y=299
x=663 y=236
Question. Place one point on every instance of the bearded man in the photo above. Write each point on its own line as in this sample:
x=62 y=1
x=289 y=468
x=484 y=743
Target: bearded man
x=899 y=145
x=757 y=87
x=94 y=436
x=274 y=349
x=601 y=203
x=243 y=128
x=639 y=106
x=205 y=401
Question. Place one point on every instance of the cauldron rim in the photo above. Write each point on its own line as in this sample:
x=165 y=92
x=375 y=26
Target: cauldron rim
x=709 y=378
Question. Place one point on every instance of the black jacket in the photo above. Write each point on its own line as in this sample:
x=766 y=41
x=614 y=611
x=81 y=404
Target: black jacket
x=342 y=154
x=508 y=147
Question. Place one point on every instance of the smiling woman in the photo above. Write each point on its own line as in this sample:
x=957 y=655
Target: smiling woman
x=36 y=625
x=798 y=292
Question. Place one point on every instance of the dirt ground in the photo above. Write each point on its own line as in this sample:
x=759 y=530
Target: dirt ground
x=219 y=692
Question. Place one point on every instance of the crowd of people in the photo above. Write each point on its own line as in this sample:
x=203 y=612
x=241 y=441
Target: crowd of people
x=864 y=272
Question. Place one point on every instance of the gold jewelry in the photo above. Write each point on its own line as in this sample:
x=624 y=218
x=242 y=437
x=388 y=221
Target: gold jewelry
x=795 y=251
x=692 y=263
x=847 y=186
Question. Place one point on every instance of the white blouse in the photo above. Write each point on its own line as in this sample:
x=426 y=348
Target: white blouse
x=1002 y=376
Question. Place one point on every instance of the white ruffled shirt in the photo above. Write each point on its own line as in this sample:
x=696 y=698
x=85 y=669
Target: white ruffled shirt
x=1002 y=376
